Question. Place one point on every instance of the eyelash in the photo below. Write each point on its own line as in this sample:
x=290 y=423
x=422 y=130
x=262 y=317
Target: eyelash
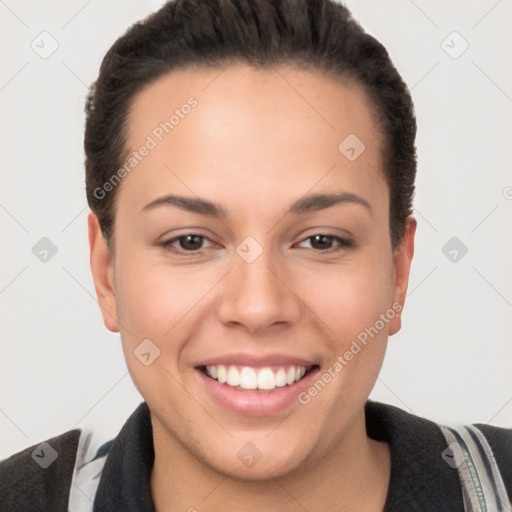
x=344 y=243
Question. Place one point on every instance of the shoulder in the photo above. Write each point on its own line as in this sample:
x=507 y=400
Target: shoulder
x=39 y=477
x=500 y=442
x=419 y=443
x=65 y=472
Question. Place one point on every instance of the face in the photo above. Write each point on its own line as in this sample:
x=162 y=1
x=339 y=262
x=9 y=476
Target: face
x=252 y=253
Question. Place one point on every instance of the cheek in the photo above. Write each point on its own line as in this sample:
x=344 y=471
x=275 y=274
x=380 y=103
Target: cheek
x=157 y=301
x=146 y=302
x=152 y=303
x=349 y=298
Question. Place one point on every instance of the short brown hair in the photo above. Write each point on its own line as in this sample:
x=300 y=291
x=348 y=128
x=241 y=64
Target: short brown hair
x=315 y=34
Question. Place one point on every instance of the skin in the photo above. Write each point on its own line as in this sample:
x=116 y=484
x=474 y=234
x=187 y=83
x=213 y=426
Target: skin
x=255 y=145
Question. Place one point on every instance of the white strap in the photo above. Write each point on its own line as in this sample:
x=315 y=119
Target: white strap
x=86 y=473
x=483 y=489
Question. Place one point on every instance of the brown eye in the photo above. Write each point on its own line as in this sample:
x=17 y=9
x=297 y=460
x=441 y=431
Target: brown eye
x=321 y=242
x=327 y=243
x=190 y=242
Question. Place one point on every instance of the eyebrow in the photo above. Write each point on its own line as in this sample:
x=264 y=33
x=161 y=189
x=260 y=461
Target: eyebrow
x=315 y=202
x=310 y=203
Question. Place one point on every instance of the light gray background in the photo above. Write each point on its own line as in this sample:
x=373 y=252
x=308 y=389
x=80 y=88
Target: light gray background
x=452 y=361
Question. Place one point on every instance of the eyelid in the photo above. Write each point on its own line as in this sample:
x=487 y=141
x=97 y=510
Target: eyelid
x=169 y=242
x=342 y=243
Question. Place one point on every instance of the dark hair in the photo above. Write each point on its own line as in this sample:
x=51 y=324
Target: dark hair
x=312 y=34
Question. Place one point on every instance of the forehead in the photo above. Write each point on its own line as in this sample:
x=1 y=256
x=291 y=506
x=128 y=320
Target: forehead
x=256 y=128
x=328 y=102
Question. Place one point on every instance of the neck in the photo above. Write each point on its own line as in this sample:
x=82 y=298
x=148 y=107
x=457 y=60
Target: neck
x=354 y=475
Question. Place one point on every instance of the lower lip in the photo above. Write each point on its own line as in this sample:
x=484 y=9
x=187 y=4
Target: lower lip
x=256 y=403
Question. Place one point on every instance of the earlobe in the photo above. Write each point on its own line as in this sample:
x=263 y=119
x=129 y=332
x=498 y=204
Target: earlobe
x=402 y=265
x=102 y=273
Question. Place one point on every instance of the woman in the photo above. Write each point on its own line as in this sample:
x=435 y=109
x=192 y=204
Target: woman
x=250 y=170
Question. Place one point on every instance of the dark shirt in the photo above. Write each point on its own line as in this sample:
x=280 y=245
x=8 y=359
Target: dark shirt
x=420 y=479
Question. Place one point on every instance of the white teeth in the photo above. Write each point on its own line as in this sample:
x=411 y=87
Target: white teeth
x=222 y=375
x=233 y=377
x=266 y=379
x=250 y=378
x=281 y=377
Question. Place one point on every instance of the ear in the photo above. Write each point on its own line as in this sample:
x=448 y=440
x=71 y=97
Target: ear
x=402 y=264
x=102 y=273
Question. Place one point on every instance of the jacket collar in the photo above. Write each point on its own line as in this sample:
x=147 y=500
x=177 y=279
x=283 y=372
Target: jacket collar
x=420 y=478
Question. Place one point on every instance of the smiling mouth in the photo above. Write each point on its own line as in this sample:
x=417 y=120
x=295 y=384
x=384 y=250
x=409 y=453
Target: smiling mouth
x=264 y=379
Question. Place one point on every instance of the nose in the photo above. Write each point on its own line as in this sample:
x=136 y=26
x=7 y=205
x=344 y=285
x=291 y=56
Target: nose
x=257 y=296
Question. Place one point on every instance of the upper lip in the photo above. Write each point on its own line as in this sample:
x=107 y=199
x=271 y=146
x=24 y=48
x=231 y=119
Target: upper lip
x=255 y=360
